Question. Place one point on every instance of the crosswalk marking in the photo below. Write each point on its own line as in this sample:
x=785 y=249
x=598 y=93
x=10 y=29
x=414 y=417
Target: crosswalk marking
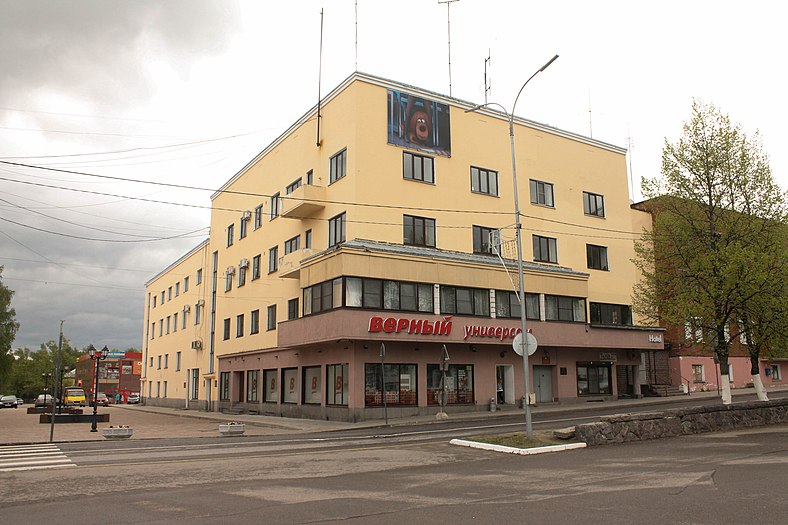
x=32 y=457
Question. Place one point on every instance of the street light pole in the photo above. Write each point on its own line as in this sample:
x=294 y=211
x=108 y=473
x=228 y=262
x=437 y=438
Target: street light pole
x=518 y=236
x=96 y=356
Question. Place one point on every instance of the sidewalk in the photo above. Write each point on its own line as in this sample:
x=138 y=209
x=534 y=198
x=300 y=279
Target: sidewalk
x=149 y=422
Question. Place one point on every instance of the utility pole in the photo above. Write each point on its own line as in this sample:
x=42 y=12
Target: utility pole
x=55 y=393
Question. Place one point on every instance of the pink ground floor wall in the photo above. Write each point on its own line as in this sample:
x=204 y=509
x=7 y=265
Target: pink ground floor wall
x=701 y=373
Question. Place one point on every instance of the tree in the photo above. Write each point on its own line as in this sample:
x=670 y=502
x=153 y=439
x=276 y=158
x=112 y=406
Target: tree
x=8 y=328
x=716 y=248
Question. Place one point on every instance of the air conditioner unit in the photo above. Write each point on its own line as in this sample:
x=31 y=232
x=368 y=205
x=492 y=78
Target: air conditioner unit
x=187 y=308
x=244 y=263
x=246 y=215
x=201 y=302
x=231 y=270
x=196 y=345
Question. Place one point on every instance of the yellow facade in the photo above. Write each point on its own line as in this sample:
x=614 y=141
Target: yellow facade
x=374 y=195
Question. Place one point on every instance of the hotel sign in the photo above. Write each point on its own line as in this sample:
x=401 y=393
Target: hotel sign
x=394 y=325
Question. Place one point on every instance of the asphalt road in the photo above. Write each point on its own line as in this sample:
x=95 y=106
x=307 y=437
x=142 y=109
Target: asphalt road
x=732 y=477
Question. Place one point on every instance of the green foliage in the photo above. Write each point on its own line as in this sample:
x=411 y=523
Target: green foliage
x=716 y=253
x=8 y=328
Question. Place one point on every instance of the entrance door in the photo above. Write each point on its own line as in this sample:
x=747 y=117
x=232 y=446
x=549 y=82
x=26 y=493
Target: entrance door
x=625 y=376
x=504 y=384
x=543 y=383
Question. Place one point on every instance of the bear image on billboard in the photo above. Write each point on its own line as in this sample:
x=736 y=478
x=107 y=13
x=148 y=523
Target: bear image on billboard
x=418 y=123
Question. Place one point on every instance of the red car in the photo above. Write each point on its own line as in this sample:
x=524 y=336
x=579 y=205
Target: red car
x=102 y=400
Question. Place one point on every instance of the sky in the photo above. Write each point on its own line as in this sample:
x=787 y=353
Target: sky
x=101 y=101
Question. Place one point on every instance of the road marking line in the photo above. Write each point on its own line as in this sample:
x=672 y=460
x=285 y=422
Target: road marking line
x=17 y=469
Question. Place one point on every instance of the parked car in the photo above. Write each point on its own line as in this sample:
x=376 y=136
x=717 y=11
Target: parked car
x=102 y=399
x=20 y=401
x=8 y=402
x=43 y=400
x=133 y=399
x=73 y=396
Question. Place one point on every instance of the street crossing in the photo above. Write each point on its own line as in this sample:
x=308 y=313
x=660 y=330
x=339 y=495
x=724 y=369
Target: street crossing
x=32 y=457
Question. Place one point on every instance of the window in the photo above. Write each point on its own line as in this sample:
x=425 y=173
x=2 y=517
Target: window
x=292 y=309
x=308 y=239
x=242 y=274
x=254 y=322
x=258 y=216
x=186 y=284
x=227 y=329
x=154 y=301
x=166 y=360
x=161 y=327
x=195 y=383
x=239 y=325
x=153 y=330
x=184 y=317
x=158 y=388
x=336 y=230
x=484 y=181
x=230 y=234
x=177 y=361
x=158 y=362
x=177 y=289
x=545 y=249
x=459 y=384
x=312 y=387
x=224 y=386
x=271 y=390
x=198 y=312
x=542 y=193
x=612 y=314
x=242 y=228
x=418 y=167
x=337 y=391
x=323 y=296
x=252 y=377
x=164 y=391
x=698 y=374
x=256 y=267
x=228 y=279
x=169 y=293
x=271 y=321
x=366 y=293
x=175 y=322
x=560 y=308
x=776 y=373
x=507 y=304
x=162 y=297
x=168 y=324
x=290 y=188
x=481 y=239
x=593 y=204
x=398 y=381
x=151 y=362
x=309 y=176
x=730 y=372
x=693 y=330
x=418 y=231
x=596 y=256
x=293 y=244
x=465 y=301
x=273 y=259
x=337 y=166
x=275 y=203
x=593 y=379
x=199 y=276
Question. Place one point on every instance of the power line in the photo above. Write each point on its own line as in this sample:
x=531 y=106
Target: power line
x=49 y=261
x=137 y=290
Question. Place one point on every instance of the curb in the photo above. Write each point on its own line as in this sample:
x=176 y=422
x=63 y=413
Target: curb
x=512 y=450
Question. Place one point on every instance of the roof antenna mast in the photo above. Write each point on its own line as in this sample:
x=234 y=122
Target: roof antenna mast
x=448 y=21
x=487 y=82
x=319 y=78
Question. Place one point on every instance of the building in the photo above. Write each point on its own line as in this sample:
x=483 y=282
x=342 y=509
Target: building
x=119 y=373
x=368 y=228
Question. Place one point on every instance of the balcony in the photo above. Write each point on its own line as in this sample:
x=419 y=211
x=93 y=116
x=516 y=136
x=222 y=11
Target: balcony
x=290 y=264
x=304 y=202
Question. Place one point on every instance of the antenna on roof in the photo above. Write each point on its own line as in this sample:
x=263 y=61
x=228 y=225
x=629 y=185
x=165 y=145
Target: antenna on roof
x=629 y=153
x=448 y=21
x=590 y=127
x=487 y=83
x=319 y=77
x=356 y=35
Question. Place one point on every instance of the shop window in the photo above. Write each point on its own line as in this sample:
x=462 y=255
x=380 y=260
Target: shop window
x=593 y=380
x=252 y=378
x=195 y=384
x=337 y=392
x=459 y=385
x=465 y=301
x=561 y=308
x=224 y=386
x=271 y=392
x=311 y=394
x=289 y=385
x=396 y=381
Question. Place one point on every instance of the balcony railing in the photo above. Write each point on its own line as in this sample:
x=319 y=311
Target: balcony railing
x=290 y=264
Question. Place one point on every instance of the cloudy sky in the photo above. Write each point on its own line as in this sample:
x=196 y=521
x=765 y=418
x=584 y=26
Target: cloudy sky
x=187 y=91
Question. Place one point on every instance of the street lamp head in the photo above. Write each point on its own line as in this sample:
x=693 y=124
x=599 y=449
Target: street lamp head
x=548 y=63
x=91 y=351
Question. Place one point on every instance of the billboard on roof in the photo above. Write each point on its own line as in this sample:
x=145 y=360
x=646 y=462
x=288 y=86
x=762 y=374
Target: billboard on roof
x=418 y=123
